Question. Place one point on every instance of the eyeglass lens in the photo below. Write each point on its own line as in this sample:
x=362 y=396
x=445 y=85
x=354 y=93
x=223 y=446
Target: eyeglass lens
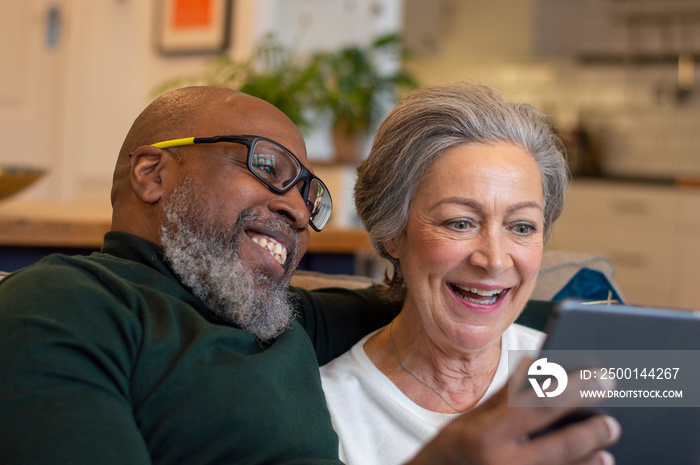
x=280 y=169
x=273 y=164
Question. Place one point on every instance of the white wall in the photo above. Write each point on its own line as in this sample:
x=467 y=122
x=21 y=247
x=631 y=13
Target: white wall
x=311 y=25
x=76 y=102
x=116 y=68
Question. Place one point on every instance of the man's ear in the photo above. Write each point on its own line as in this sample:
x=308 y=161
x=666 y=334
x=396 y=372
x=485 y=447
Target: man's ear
x=146 y=173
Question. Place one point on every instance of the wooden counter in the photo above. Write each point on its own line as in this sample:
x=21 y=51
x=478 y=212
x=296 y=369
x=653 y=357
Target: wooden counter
x=53 y=224
x=68 y=225
x=333 y=240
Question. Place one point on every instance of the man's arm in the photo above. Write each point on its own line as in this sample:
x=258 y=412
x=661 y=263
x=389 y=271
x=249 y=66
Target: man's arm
x=336 y=318
x=65 y=361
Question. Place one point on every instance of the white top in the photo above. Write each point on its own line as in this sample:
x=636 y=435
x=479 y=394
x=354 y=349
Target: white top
x=376 y=422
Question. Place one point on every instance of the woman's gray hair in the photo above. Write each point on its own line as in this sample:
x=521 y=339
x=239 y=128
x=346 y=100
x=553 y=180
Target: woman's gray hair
x=421 y=129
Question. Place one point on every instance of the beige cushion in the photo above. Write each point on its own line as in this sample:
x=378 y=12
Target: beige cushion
x=314 y=280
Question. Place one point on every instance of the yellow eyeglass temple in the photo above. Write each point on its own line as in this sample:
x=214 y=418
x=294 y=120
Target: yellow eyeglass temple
x=174 y=143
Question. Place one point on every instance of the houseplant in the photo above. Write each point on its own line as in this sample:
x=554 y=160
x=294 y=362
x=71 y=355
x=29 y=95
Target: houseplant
x=354 y=86
x=351 y=87
x=273 y=73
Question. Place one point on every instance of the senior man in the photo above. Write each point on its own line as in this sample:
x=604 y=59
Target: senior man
x=179 y=342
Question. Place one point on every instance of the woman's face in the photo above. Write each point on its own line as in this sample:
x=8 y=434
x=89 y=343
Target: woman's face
x=473 y=244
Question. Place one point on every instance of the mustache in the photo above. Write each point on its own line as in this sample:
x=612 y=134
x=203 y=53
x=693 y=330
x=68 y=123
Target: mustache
x=249 y=219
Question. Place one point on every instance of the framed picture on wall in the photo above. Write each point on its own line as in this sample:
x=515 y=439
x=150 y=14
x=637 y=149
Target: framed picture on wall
x=192 y=26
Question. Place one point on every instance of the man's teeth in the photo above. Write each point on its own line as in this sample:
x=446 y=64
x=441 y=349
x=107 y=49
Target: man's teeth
x=277 y=250
x=492 y=295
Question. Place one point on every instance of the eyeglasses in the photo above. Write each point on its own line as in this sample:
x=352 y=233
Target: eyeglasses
x=277 y=168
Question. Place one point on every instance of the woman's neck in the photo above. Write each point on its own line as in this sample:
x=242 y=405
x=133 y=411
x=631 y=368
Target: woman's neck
x=433 y=374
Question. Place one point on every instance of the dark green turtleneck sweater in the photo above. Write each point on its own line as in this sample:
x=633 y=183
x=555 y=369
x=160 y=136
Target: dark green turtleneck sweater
x=108 y=359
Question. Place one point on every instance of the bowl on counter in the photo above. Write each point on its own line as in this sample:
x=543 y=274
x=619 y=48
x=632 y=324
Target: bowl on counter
x=13 y=179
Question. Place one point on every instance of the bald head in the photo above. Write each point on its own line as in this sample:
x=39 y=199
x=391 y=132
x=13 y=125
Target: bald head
x=192 y=112
x=182 y=113
x=173 y=114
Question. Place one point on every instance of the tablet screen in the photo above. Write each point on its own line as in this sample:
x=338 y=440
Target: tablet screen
x=659 y=349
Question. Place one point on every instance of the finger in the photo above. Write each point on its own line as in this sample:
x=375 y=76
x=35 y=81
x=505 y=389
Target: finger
x=495 y=411
x=577 y=443
x=495 y=414
x=542 y=412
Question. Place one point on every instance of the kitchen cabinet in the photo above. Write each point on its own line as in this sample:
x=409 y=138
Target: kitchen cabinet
x=593 y=31
x=650 y=231
x=685 y=285
x=643 y=31
x=572 y=28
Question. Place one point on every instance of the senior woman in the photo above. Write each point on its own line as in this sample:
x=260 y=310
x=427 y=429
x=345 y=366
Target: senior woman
x=459 y=193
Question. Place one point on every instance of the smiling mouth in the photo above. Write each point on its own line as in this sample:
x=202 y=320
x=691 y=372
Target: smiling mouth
x=274 y=248
x=477 y=296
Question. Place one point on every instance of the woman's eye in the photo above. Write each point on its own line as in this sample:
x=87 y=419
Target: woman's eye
x=523 y=228
x=460 y=225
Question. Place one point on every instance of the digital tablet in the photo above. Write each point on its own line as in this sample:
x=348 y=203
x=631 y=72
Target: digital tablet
x=653 y=354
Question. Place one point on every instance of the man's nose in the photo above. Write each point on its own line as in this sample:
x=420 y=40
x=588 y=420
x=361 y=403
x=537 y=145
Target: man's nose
x=292 y=207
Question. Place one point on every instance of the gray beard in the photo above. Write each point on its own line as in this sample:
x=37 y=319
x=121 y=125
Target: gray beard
x=204 y=255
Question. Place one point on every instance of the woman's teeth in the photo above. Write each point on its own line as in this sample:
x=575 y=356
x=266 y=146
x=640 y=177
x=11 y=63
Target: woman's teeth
x=478 y=296
x=277 y=250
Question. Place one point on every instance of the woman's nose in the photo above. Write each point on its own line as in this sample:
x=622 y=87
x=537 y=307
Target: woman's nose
x=491 y=253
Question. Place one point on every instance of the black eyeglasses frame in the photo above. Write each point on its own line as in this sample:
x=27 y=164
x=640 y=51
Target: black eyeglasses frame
x=249 y=141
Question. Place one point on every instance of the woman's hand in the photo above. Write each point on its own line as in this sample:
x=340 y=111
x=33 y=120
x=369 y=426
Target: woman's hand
x=496 y=434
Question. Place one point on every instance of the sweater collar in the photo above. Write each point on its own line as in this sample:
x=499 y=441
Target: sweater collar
x=127 y=246
x=134 y=248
